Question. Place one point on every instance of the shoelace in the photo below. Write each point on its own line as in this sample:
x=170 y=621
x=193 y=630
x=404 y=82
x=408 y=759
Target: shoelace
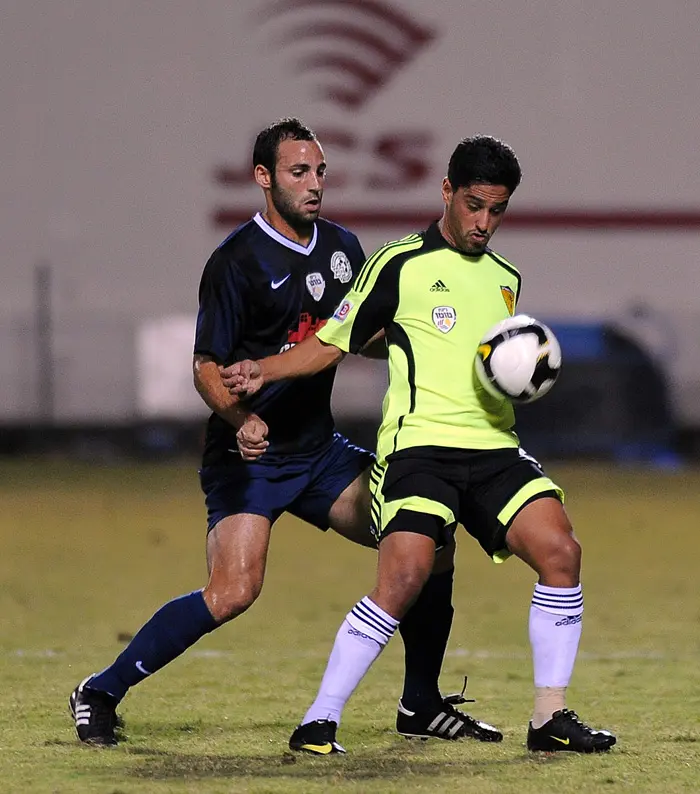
x=572 y=716
x=457 y=698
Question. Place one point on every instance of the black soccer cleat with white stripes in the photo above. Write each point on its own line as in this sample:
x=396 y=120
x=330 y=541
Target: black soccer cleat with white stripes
x=444 y=722
x=95 y=716
x=565 y=731
x=317 y=738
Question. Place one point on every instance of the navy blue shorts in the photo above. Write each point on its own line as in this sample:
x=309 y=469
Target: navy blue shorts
x=304 y=485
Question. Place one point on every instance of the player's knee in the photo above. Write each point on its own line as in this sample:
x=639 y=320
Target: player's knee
x=227 y=600
x=412 y=581
x=398 y=594
x=563 y=556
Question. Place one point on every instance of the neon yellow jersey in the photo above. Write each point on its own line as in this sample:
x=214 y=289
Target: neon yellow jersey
x=435 y=303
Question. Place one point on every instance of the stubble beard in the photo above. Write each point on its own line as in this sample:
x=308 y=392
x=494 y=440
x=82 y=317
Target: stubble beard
x=474 y=249
x=300 y=222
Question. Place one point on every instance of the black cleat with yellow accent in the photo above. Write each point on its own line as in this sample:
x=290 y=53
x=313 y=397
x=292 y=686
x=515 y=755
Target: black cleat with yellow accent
x=565 y=731
x=317 y=737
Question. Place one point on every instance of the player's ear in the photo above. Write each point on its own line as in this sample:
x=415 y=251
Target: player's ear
x=263 y=177
x=447 y=190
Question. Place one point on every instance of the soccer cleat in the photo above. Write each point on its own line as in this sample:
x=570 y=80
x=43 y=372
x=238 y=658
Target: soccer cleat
x=95 y=716
x=565 y=731
x=317 y=737
x=445 y=722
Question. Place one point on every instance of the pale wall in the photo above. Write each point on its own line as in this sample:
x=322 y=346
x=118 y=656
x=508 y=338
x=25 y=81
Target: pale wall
x=116 y=115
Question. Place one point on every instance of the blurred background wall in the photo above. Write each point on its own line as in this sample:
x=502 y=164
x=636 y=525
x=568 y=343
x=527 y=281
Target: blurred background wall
x=127 y=131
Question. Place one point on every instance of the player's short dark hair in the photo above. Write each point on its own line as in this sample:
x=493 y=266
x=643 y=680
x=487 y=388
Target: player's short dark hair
x=268 y=140
x=483 y=160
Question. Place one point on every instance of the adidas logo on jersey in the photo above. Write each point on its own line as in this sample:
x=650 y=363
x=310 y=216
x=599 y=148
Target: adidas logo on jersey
x=439 y=286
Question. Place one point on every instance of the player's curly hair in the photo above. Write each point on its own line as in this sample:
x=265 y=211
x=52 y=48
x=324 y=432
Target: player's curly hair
x=269 y=139
x=484 y=160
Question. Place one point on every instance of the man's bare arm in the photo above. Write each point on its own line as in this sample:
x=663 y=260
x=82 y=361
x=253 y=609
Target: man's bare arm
x=303 y=360
x=207 y=381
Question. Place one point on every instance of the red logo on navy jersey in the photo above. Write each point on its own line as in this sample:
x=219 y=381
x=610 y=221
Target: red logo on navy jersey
x=305 y=327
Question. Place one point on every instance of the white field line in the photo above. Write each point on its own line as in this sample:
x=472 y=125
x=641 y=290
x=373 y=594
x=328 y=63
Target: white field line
x=48 y=653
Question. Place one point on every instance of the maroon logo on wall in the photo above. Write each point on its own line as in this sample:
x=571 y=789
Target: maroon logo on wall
x=352 y=48
x=378 y=42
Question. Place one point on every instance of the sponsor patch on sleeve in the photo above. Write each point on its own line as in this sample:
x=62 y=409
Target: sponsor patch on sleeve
x=342 y=311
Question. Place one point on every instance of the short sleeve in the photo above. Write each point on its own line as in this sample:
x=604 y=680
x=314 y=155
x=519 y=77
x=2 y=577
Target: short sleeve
x=220 y=316
x=367 y=308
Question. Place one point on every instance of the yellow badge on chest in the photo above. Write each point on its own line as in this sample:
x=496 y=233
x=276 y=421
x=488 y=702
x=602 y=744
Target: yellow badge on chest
x=509 y=298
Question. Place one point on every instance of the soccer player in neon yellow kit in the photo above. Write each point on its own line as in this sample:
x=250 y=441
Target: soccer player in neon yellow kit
x=447 y=452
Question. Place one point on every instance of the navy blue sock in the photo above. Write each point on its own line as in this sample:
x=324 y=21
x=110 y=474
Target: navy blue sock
x=172 y=630
x=425 y=630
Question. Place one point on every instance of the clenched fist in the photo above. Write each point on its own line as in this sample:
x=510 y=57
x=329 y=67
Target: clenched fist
x=252 y=438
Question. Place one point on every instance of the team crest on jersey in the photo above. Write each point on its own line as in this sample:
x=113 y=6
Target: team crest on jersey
x=340 y=265
x=509 y=298
x=444 y=318
x=316 y=285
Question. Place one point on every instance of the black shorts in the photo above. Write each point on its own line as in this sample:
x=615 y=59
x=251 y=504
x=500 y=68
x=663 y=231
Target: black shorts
x=429 y=490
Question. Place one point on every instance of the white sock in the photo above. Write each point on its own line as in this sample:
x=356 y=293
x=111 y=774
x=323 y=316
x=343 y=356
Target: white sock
x=359 y=641
x=555 y=630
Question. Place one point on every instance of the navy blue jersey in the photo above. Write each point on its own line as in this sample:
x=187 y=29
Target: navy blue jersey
x=261 y=294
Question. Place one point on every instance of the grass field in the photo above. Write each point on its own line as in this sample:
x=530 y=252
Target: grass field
x=89 y=553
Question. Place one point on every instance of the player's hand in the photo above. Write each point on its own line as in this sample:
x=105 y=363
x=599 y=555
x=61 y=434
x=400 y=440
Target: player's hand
x=252 y=438
x=243 y=378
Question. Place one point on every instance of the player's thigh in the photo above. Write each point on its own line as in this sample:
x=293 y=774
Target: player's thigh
x=349 y=514
x=337 y=495
x=501 y=484
x=237 y=550
x=238 y=545
x=409 y=496
x=542 y=536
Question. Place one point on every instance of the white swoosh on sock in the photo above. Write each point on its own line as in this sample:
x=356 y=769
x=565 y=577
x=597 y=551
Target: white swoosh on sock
x=141 y=668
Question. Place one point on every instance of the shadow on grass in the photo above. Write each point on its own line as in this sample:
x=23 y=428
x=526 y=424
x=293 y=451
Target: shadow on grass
x=414 y=759
x=166 y=765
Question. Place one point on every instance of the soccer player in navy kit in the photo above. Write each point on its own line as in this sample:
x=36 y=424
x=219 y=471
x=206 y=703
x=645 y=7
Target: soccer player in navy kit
x=273 y=282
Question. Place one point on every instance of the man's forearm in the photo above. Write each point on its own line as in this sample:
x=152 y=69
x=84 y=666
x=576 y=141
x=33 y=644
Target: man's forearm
x=207 y=381
x=301 y=361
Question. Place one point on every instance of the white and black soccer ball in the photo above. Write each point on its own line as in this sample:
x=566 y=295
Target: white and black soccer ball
x=519 y=359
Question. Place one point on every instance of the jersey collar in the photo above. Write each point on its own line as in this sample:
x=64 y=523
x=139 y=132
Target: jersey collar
x=270 y=231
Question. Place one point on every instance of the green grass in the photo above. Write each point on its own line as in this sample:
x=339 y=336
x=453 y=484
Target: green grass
x=89 y=553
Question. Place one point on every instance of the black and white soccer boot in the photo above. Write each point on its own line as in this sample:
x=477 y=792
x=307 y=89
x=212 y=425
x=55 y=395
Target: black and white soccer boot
x=95 y=715
x=565 y=731
x=445 y=722
x=317 y=737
